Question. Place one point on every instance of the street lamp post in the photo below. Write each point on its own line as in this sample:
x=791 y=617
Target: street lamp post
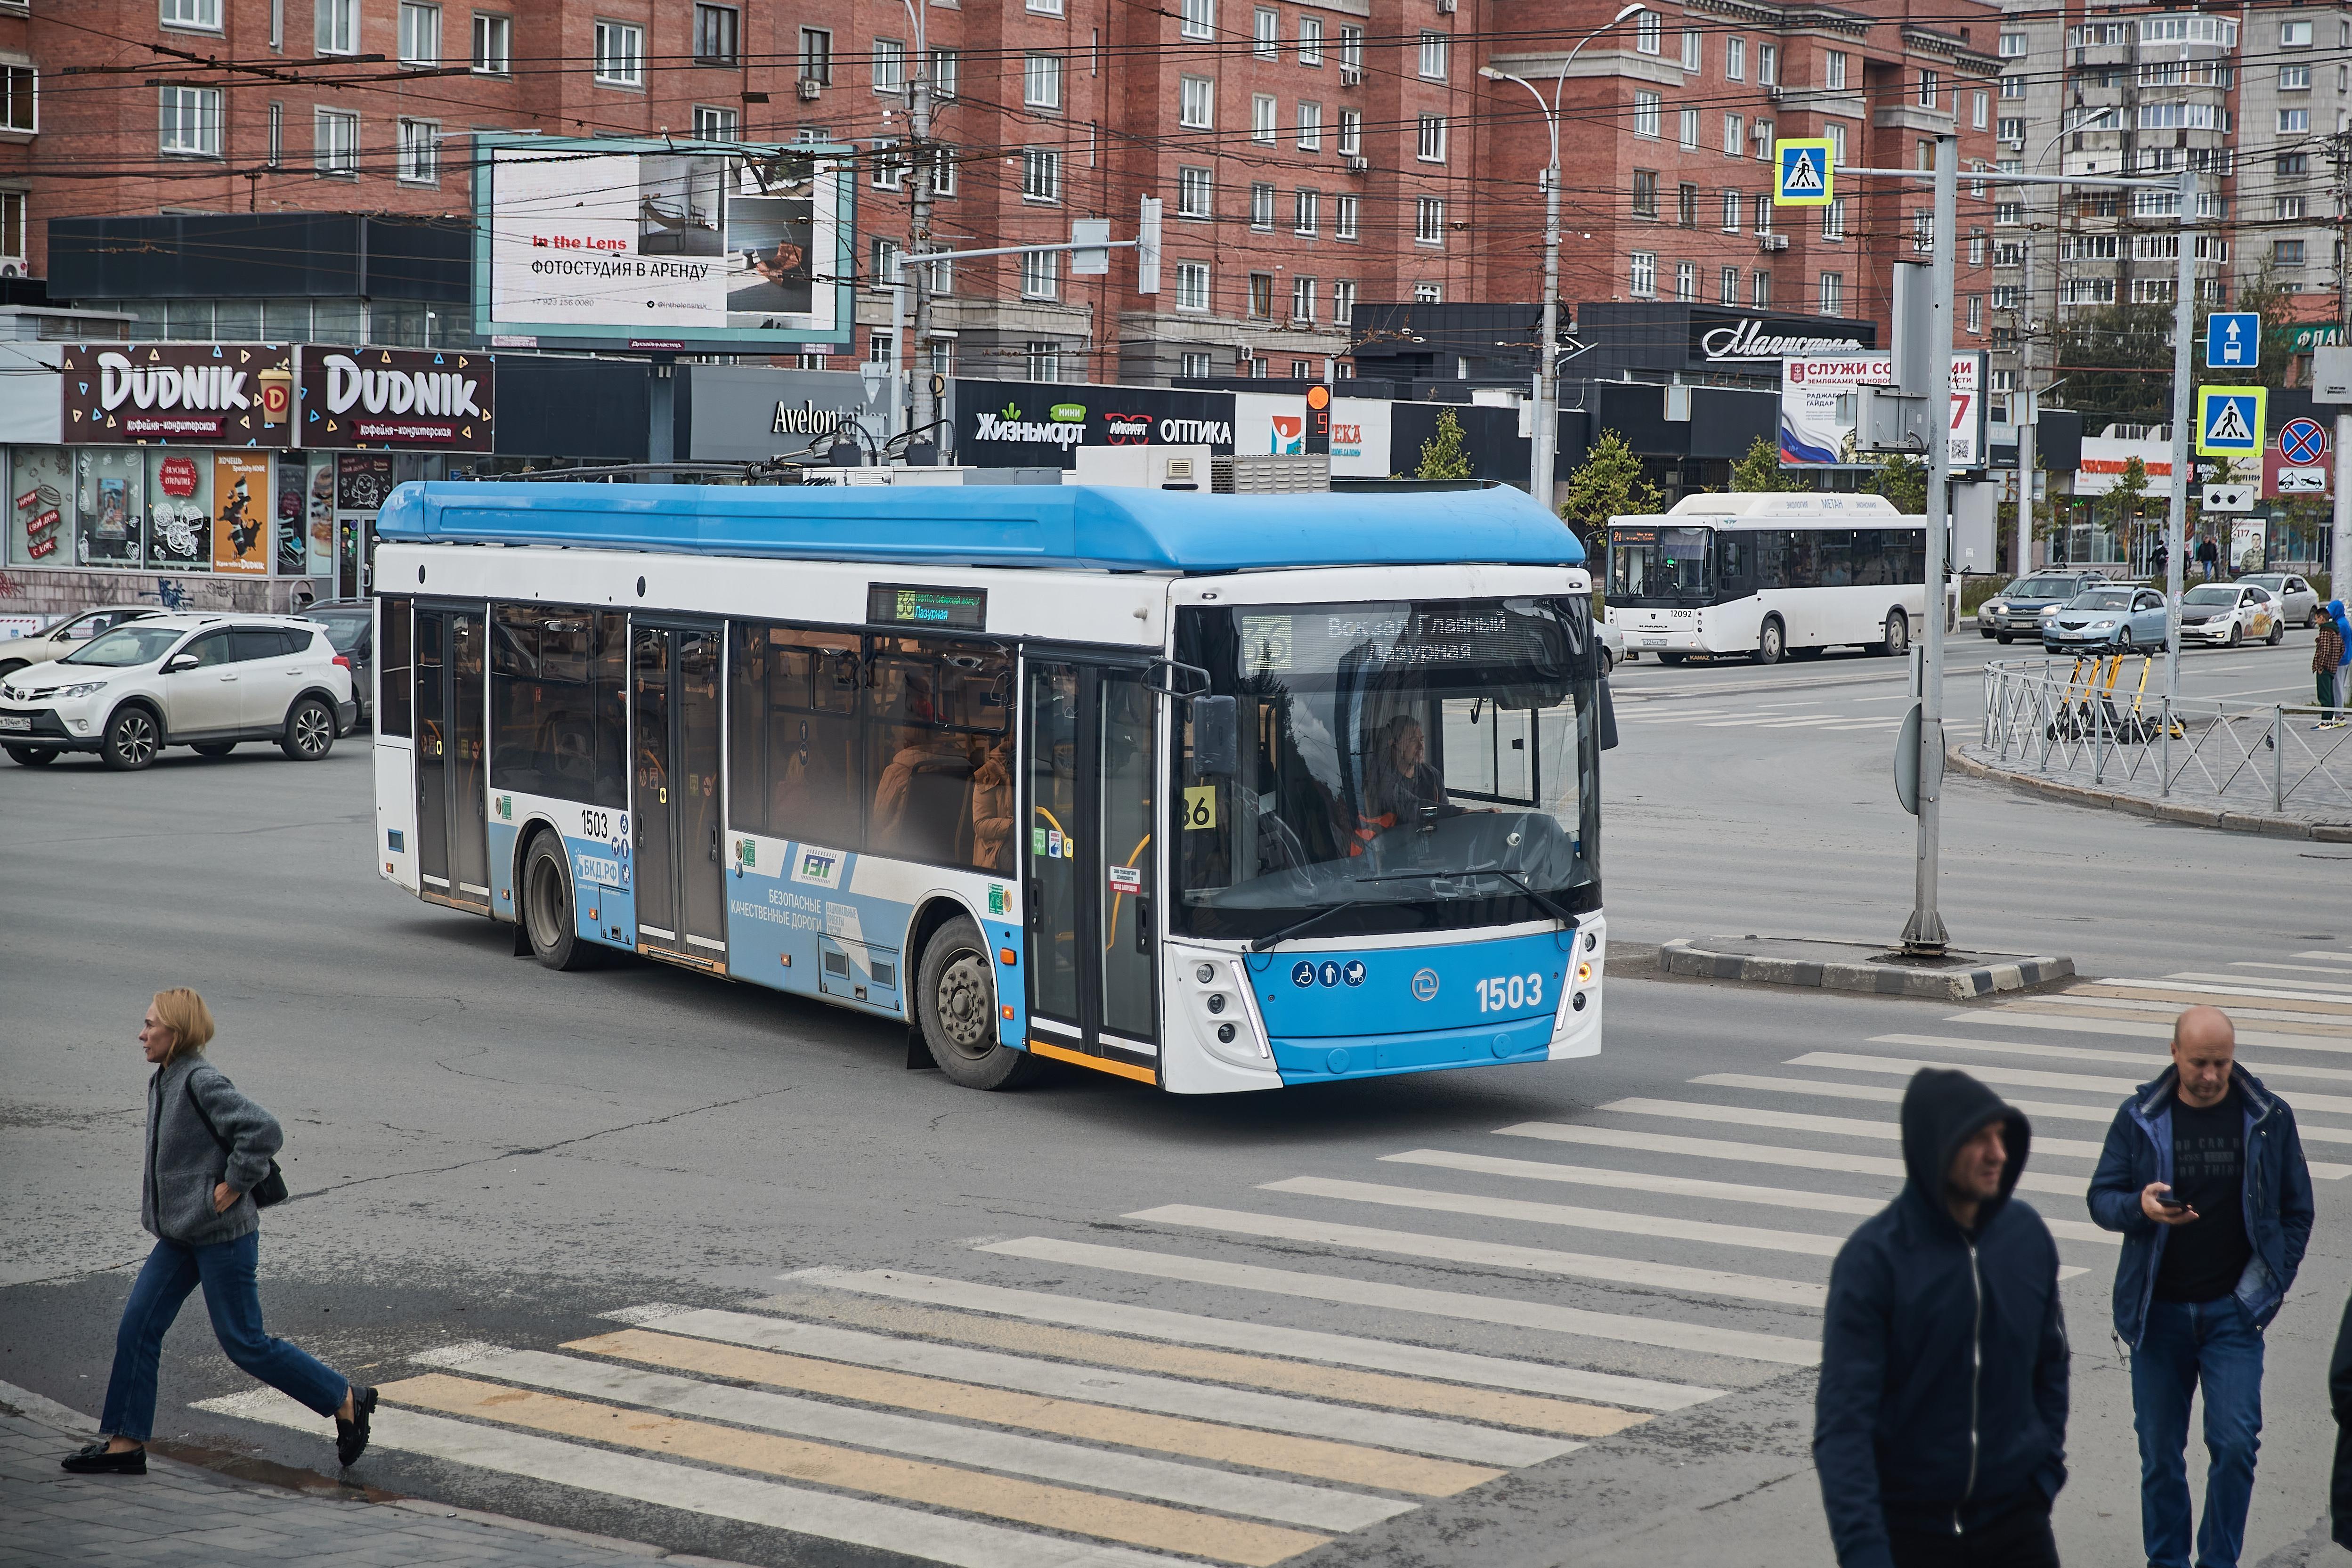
x=1544 y=455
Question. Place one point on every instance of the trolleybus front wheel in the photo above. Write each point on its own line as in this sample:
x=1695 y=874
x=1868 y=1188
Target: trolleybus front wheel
x=955 y=999
x=1771 y=641
x=547 y=914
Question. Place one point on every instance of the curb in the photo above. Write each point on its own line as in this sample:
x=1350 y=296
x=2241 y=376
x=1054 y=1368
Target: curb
x=2270 y=824
x=1683 y=955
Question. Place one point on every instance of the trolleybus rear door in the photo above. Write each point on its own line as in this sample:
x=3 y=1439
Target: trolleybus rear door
x=681 y=893
x=452 y=757
x=1092 y=900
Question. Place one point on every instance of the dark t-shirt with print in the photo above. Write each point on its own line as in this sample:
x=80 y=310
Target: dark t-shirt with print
x=2203 y=1258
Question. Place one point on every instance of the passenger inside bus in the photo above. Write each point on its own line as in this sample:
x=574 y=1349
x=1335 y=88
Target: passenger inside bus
x=992 y=809
x=922 y=806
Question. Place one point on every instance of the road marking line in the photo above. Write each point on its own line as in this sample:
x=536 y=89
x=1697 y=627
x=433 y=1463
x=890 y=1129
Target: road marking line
x=1479 y=1404
x=2326 y=987
x=1694 y=1188
x=1136 y=1391
x=1799 y=1121
x=2339 y=968
x=2151 y=1064
x=1461 y=1305
x=1792 y=1293
x=2311 y=1004
x=1161 y=1480
x=1267 y=1339
x=2323 y=952
x=909 y=1480
x=2120 y=1016
x=1736 y=723
x=937 y=1537
x=1613 y=1221
x=1755 y=1153
x=1346 y=1463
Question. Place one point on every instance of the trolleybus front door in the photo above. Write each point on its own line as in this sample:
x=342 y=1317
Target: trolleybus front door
x=1092 y=899
x=681 y=891
x=452 y=757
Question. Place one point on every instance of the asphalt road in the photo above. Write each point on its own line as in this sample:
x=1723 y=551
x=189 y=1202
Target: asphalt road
x=489 y=1153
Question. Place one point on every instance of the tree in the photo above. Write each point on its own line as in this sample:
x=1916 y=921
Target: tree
x=1760 y=471
x=2127 y=495
x=1441 y=457
x=1903 y=479
x=1609 y=483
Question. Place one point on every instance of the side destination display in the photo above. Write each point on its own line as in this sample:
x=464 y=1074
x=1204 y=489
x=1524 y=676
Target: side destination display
x=898 y=605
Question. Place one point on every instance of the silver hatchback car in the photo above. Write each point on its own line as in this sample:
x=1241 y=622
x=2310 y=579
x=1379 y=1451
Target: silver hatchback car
x=2298 y=601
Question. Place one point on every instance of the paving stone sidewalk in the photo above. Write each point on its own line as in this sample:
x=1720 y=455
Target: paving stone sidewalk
x=185 y=1516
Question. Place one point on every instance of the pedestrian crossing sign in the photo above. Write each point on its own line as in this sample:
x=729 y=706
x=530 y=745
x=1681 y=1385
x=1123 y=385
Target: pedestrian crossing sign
x=1806 y=171
x=2230 y=421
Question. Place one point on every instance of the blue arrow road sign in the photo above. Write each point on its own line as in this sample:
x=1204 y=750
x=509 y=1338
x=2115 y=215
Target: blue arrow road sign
x=2233 y=340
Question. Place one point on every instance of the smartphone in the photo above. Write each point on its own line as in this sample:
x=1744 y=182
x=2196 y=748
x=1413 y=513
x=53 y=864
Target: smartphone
x=2164 y=1199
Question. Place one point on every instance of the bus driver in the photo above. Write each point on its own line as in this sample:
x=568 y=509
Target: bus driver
x=1401 y=785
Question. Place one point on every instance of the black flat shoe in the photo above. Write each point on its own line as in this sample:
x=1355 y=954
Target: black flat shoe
x=351 y=1436
x=94 y=1460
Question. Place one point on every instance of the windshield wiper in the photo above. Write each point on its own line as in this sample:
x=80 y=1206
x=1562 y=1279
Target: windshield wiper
x=1513 y=878
x=1262 y=944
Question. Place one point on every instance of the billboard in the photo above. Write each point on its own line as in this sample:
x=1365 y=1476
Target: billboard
x=206 y=395
x=1020 y=423
x=432 y=399
x=1277 y=422
x=1817 y=409
x=618 y=244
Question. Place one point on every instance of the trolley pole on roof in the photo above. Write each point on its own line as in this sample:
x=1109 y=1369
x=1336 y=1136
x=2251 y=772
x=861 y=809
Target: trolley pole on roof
x=1923 y=933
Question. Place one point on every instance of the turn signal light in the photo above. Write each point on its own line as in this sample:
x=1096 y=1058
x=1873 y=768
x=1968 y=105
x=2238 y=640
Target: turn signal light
x=1006 y=1010
x=1584 y=975
x=1004 y=955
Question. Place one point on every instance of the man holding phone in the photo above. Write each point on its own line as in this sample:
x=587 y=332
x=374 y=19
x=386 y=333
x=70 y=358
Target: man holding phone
x=2203 y=1173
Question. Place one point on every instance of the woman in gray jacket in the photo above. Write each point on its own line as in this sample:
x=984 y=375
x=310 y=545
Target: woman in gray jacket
x=207 y=1147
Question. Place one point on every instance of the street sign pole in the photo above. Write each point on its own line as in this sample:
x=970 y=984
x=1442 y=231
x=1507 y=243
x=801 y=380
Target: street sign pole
x=2176 y=522
x=1924 y=936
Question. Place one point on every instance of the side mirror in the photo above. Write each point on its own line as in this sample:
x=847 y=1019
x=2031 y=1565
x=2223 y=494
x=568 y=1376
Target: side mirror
x=178 y=662
x=1216 y=736
x=1607 y=719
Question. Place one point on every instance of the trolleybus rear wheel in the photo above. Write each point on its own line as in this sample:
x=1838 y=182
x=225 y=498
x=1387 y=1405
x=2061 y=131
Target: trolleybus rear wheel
x=955 y=1000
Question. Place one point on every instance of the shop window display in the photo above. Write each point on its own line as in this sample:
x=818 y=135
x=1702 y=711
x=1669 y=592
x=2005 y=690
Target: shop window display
x=179 y=510
x=110 y=507
x=241 y=506
x=40 y=487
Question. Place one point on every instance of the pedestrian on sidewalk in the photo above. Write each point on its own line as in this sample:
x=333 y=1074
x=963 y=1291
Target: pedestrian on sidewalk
x=2158 y=560
x=208 y=1147
x=2344 y=655
x=2325 y=655
x=2208 y=555
x=2339 y=1398
x=2203 y=1173
x=1939 y=1426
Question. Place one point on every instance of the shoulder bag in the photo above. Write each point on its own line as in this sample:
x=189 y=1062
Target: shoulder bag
x=272 y=1188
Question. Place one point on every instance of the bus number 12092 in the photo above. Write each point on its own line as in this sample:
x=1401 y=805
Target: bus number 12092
x=1508 y=994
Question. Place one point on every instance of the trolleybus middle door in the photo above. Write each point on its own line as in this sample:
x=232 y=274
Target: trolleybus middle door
x=681 y=892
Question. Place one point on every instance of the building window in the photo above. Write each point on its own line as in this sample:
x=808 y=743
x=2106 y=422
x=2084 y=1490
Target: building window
x=1829 y=296
x=714 y=124
x=2286 y=252
x=1975 y=313
x=1930 y=83
x=1041 y=274
x=493 y=44
x=889 y=166
x=620 y=54
x=1642 y=275
x=1197 y=364
x=1304 y=294
x=1833 y=63
x=1923 y=232
x=1310 y=127
x=1649 y=34
x=420 y=34
x=1261 y=295
x=2008 y=214
x=1763 y=215
x=1761 y=134
x=884 y=272
x=1265 y=112
x=1693 y=54
x=1041 y=175
x=276 y=156
x=2004 y=296
x=2012 y=86
x=335 y=142
x=1759 y=292
x=1196 y=99
x=1044 y=7
x=1199 y=19
x=718 y=35
x=1728 y=286
x=2290 y=208
x=1429 y=293
x=1432 y=56
x=1429 y=142
x=889 y=66
x=2013 y=45
x=1646 y=192
x=1645 y=109
x=1731 y=212
x=1428 y=221
x=1343 y=303
x=2289 y=120
x=1735 y=60
x=2294 y=35
x=1196 y=193
x=1735 y=135
x=2012 y=130
x=19 y=98
x=1687 y=205
x=338 y=27
x=1351 y=131
x=1686 y=130
x=1351 y=48
x=1192 y=286
x=1307 y=212
x=204 y=14
x=945 y=68
x=1265 y=33
x=1040 y=81
x=1310 y=41
x=1979 y=111
x=816 y=56
x=420 y=152
x=1686 y=280
x=1261 y=205
x=1343 y=218
x=1044 y=362
x=1834 y=218
x=192 y=122
x=1767 y=64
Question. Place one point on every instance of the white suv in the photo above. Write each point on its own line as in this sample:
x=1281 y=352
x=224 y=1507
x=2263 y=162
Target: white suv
x=205 y=681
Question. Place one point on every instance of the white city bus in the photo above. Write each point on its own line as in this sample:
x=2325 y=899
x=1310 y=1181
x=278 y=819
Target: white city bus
x=1761 y=575
x=1213 y=793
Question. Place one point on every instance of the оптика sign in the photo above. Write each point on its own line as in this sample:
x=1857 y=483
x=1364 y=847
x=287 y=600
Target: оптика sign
x=1018 y=424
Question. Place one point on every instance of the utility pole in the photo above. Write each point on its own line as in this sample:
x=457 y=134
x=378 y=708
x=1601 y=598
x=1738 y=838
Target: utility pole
x=2027 y=411
x=2339 y=542
x=919 y=240
x=1545 y=455
x=1924 y=934
x=2184 y=318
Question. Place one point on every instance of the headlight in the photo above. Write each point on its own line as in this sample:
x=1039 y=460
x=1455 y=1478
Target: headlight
x=2052 y=609
x=2102 y=625
x=84 y=690
x=1997 y=607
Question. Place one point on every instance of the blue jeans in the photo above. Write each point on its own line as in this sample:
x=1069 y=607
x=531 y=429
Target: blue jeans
x=226 y=1269
x=2186 y=1344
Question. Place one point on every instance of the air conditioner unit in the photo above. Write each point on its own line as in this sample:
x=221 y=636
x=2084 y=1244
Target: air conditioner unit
x=1352 y=76
x=1357 y=163
x=1772 y=241
x=810 y=90
x=1760 y=131
x=1445 y=7
x=12 y=269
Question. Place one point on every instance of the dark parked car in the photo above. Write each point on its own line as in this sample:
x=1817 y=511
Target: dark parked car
x=351 y=627
x=2016 y=611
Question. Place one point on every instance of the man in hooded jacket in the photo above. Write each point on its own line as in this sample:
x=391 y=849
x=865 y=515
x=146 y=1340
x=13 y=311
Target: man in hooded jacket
x=1939 y=1427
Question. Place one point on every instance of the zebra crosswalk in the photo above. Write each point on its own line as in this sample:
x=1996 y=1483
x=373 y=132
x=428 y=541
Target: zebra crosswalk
x=1247 y=1374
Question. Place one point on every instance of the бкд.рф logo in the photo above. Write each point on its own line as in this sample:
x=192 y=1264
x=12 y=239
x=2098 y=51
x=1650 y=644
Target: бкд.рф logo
x=1425 y=985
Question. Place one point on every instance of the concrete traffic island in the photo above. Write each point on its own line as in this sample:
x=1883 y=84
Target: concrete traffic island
x=1858 y=966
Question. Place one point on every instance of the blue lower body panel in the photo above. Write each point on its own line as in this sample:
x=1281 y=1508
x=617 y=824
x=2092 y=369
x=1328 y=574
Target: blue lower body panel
x=1321 y=1058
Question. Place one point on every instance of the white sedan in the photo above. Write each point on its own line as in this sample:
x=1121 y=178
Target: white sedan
x=73 y=632
x=2228 y=614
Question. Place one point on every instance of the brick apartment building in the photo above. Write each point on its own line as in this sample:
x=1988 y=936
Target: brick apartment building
x=1310 y=154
